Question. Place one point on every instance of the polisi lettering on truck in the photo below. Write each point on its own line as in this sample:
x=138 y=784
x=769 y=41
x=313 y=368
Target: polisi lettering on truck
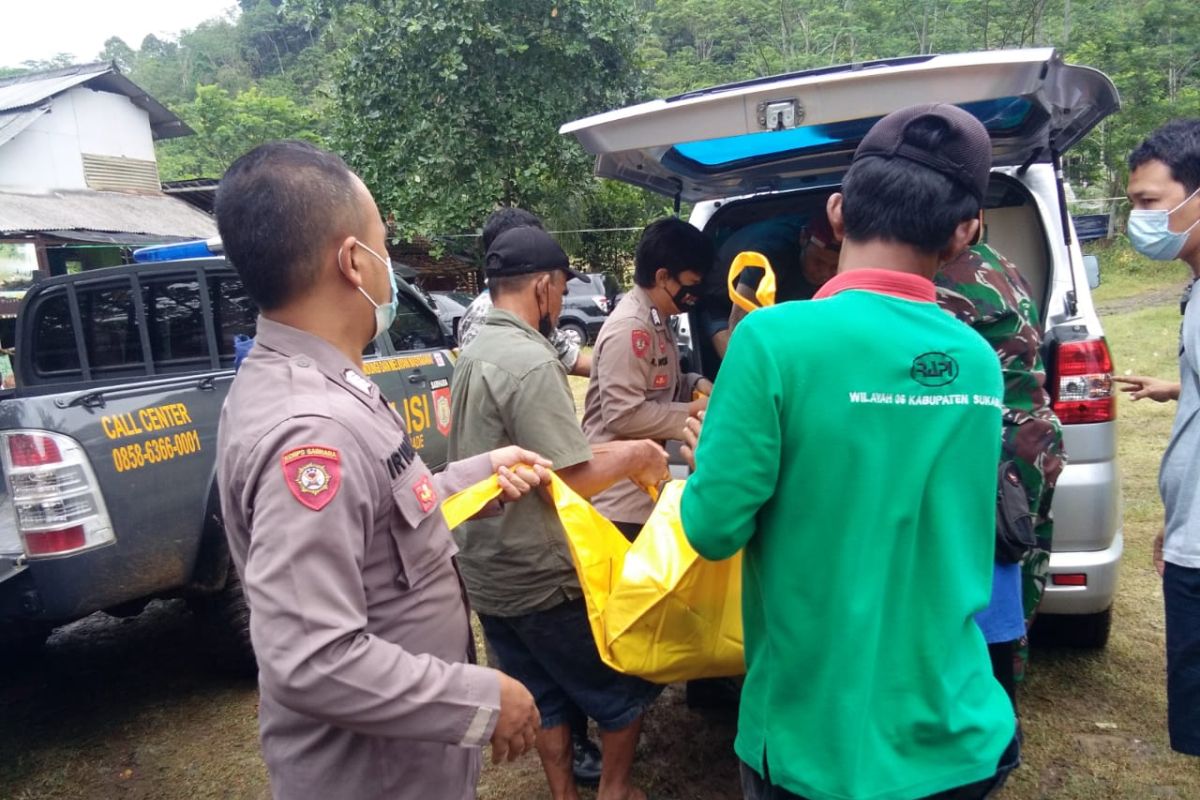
x=146 y=420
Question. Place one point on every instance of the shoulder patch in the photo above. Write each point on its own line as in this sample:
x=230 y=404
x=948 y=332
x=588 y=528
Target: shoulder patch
x=313 y=474
x=656 y=318
x=641 y=343
x=426 y=494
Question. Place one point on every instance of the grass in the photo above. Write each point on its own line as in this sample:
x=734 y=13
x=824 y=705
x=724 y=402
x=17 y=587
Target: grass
x=126 y=708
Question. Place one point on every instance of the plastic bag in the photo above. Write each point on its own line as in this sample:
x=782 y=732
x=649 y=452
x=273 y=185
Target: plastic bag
x=765 y=293
x=656 y=608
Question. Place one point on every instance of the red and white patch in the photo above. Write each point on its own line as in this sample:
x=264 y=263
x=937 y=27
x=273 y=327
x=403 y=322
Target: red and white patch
x=641 y=343
x=313 y=474
x=426 y=494
x=661 y=381
x=441 y=410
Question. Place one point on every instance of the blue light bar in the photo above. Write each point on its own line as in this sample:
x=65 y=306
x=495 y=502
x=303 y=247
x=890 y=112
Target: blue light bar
x=200 y=248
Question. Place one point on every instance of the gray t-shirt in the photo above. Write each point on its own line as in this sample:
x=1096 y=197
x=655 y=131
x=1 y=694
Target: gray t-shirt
x=1179 y=477
x=510 y=389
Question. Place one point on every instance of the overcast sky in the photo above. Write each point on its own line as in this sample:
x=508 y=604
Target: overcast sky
x=40 y=29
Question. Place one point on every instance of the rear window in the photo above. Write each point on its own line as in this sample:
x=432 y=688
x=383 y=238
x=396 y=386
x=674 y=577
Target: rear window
x=415 y=328
x=1000 y=116
x=172 y=309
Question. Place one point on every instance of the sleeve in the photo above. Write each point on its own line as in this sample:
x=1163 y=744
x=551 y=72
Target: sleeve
x=622 y=377
x=540 y=416
x=737 y=460
x=304 y=582
x=687 y=387
x=459 y=475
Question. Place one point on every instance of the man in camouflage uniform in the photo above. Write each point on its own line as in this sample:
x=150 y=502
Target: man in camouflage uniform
x=985 y=290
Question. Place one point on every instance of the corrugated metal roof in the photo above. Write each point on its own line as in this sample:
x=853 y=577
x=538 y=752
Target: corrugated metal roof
x=32 y=88
x=113 y=212
x=14 y=122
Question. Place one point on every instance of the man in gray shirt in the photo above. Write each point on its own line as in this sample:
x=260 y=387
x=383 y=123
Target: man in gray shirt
x=1164 y=188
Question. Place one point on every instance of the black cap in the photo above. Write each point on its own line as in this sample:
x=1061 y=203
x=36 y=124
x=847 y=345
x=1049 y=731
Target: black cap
x=524 y=250
x=964 y=156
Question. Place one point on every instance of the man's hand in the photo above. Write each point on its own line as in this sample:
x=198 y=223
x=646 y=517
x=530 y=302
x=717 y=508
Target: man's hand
x=704 y=386
x=691 y=439
x=519 y=722
x=1159 y=564
x=519 y=471
x=698 y=406
x=648 y=463
x=1140 y=386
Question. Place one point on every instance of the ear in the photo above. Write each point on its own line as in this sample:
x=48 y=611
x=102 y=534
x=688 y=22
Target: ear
x=345 y=261
x=661 y=276
x=833 y=209
x=964 y=236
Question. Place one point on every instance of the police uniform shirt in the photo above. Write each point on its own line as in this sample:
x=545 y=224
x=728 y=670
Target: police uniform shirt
x=358 y=617
x=636 y=391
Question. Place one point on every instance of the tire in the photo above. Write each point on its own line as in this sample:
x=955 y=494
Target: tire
x=576 y=332
x=224 y=621
x=1082 y=631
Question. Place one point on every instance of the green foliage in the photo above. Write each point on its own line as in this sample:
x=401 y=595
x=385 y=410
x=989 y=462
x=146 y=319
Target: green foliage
x=228 y=125
x=447 y=108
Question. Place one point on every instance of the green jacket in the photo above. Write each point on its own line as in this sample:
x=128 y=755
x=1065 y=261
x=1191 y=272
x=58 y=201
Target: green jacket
x=851 y=447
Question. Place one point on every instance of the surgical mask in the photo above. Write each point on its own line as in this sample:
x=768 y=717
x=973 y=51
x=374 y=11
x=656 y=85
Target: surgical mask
x=1151 y=235
x=385 y=313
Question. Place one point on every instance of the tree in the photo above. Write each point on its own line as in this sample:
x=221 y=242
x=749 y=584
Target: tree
x=447 y=108
x=228 y=125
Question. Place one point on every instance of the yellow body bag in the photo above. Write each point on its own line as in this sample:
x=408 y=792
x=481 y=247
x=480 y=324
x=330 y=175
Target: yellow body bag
x=656 y=608
x=765 y=293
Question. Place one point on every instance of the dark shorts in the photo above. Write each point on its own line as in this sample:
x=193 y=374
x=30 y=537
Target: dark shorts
x=1181 y=595
x=756 y=787
x=552 y=652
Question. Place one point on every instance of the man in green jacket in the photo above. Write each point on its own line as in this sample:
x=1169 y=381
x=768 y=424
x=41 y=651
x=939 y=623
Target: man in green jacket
x=851 y=447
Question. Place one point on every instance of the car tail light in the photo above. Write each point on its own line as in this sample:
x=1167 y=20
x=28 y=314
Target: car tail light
x=54 y=505
x=1069 y=579
x=1082 y=386
x=602 y=302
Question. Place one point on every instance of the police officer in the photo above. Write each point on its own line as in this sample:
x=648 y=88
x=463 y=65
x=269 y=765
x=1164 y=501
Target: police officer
x=637 y=389
x=358 y=617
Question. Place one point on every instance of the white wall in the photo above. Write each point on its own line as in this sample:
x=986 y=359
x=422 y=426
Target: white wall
x=46 y=155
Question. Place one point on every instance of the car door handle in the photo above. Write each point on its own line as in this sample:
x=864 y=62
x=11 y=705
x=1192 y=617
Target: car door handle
x=416 y=377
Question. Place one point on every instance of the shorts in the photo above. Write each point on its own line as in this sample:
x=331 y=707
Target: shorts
x=552 y=652
x=1181 y=596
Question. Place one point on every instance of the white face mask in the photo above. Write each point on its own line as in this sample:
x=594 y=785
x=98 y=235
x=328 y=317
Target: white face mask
x=1151 y=235
x=385 y=313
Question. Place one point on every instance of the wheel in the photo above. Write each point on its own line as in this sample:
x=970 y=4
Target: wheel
x=224 y=620
x=575 y=332
x=1085 y=631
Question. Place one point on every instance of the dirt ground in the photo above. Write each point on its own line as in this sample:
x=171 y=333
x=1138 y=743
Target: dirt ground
x=128 y=708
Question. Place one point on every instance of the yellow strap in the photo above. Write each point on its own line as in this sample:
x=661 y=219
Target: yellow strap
x=765 y=294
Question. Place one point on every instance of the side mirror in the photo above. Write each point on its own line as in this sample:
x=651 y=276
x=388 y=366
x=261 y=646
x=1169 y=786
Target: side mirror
x=1091 y=267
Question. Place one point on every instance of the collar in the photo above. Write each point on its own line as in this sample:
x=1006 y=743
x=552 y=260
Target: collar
x=499 y=318
x=299 y=345
x=642 y=300
x=904 y=285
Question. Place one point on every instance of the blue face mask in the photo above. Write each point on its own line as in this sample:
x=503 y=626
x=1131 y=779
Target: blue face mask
x=1151 y=235
x=385 y=313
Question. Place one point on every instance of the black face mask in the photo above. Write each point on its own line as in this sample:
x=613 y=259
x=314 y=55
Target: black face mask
x=687 y=298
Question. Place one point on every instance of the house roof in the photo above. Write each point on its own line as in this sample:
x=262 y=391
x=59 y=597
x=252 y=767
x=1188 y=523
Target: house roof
x=31 y=92
x=109 y=212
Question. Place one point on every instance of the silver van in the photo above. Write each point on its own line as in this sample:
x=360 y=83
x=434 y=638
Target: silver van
x=775 y=146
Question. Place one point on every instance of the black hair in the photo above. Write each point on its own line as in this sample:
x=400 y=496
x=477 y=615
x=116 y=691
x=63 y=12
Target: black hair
x=1176 y=144
x=510 y=284
x=503 y=219
x=902 y=201
x=277 y=207
x=673 y=245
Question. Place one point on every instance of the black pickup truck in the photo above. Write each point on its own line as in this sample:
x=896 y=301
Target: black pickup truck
x=108 y=440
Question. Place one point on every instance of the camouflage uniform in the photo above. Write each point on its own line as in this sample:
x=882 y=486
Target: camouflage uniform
x=983 y=289
x=472 y=323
